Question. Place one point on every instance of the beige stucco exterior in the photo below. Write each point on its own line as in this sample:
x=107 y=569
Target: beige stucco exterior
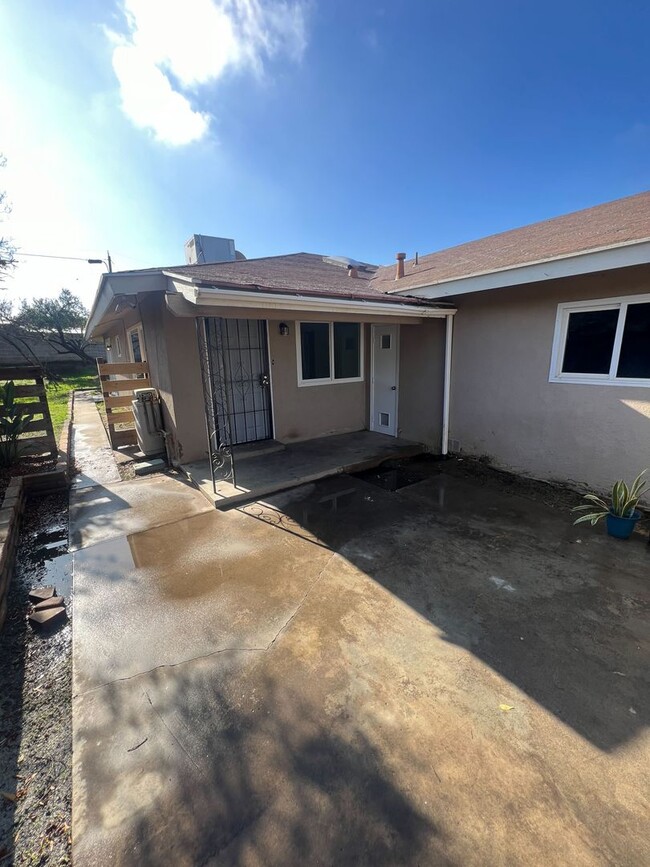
x=305 y=412
x=421 y=382
x=504 y=406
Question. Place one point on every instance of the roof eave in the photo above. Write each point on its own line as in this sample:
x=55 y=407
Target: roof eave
x=585 y=262
x=212 y=295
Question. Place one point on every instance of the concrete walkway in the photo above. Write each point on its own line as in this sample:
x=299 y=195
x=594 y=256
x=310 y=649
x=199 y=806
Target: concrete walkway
x=445 y=674
x=91 y=450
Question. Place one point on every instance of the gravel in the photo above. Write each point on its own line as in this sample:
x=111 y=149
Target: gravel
x=35 y=699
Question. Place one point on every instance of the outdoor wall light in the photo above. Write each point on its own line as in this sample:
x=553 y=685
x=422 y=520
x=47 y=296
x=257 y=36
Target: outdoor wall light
x=283 y=328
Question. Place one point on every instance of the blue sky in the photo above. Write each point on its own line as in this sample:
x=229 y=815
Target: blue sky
x=345 y=128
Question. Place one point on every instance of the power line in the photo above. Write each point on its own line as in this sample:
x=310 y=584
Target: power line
x=107 y=261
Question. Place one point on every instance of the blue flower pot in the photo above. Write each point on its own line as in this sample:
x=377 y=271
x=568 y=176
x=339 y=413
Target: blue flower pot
x=622 y=528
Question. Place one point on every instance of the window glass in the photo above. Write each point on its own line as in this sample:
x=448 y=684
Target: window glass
x=634 y=360
x=347 y=345
x=135 y=346
x=315 y=350
x=385 y=341
x=590 y=340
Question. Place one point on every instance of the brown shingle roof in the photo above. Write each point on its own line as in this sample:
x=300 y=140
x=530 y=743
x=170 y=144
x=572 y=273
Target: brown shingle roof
x=611 y=224
x=296 y=273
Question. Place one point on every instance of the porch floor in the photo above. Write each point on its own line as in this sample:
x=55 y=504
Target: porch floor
x=299 y=463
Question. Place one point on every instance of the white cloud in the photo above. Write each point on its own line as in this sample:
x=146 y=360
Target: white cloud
x=174 y=47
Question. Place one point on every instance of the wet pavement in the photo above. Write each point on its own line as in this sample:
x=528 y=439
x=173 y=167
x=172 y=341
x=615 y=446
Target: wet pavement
x=444 y=673
x=104 y=512
x=91 y=450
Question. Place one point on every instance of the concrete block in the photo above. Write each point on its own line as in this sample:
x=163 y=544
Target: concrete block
x=38 y=594
x=49 y=617
x=52 y=602
x=145 y=467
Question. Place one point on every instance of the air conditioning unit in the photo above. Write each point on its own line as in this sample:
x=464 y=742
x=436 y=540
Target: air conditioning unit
x=148 y=421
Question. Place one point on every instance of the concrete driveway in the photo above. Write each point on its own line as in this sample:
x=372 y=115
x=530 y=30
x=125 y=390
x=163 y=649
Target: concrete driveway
x=444 y=674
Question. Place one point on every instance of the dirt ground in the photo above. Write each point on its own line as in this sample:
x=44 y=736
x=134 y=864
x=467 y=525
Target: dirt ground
x=35 y=695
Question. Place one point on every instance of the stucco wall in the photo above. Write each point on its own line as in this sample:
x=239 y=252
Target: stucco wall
x=172 y=351
x=504 y=406
x=317 y=410
x=421 y=381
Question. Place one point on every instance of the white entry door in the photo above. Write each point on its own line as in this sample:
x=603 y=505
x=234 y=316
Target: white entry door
x=385 y=373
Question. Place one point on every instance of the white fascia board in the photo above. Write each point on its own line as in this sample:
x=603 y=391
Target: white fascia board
x=607 y=259
x=216 y=297
x=111 y=286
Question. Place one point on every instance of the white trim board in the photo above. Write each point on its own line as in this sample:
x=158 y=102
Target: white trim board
x=590 y=262
x=559 y=342
x=267 y=301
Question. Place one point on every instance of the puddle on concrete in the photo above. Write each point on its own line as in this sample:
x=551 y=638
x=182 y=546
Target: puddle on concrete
x=391 y=478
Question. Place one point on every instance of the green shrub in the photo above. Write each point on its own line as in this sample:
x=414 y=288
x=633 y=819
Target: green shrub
x=13 y=423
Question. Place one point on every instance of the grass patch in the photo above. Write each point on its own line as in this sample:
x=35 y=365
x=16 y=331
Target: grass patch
x=58 y=394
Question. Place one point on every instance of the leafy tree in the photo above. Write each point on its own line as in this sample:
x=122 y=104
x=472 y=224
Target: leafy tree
x=59 y=321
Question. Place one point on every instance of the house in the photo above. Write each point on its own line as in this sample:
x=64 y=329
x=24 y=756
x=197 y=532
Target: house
x=280 y=350
x=551 y=359
x=547 y=372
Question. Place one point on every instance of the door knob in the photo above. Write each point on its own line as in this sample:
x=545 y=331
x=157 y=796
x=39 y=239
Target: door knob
x=393 y=388
x=264 y=379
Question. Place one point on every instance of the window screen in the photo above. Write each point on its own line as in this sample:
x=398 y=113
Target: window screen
x=590 y=341
x=347 y=344
x=634 y=360
x=315 y=350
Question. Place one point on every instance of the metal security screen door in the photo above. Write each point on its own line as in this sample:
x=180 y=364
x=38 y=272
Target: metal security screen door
x=236 y=385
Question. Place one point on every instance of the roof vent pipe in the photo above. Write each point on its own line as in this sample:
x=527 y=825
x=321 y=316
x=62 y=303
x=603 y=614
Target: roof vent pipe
x=352 y=271
x=400 y=265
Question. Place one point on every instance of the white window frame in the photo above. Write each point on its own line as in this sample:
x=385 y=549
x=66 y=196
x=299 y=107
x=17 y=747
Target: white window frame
x=118 y=345
x=559 y=342
x=330 y=380
x=138 y=329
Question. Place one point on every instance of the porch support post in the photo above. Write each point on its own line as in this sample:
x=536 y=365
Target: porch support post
x=449 y=323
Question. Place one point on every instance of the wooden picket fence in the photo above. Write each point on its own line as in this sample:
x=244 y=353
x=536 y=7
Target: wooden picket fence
x=39 y=433
x=118 y=394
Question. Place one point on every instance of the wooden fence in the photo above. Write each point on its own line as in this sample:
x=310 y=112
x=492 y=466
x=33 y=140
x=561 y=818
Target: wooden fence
x=118 y=394
x=39 y=432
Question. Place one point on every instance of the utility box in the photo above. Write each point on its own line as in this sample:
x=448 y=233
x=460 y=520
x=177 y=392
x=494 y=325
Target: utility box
x=204 y=249
x=148 y=421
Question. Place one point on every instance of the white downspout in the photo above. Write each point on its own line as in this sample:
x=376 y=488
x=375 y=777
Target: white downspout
x=447 y=384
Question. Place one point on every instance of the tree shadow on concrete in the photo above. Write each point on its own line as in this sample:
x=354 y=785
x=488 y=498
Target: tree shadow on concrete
x=228 y=765
x=503 y=577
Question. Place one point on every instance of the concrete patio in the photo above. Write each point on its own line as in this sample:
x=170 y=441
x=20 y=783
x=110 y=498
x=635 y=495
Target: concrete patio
x=270 y=467
x=449 y=673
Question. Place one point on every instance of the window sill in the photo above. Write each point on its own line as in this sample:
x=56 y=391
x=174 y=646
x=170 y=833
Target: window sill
x=308 y=383
x=594 y=380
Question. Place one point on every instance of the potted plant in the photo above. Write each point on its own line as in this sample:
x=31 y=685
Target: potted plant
x=621 y=515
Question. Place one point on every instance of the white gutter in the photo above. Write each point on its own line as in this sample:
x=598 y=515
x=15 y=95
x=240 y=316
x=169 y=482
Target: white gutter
x=217 y=297
x=446 y=394
x=604 y=259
